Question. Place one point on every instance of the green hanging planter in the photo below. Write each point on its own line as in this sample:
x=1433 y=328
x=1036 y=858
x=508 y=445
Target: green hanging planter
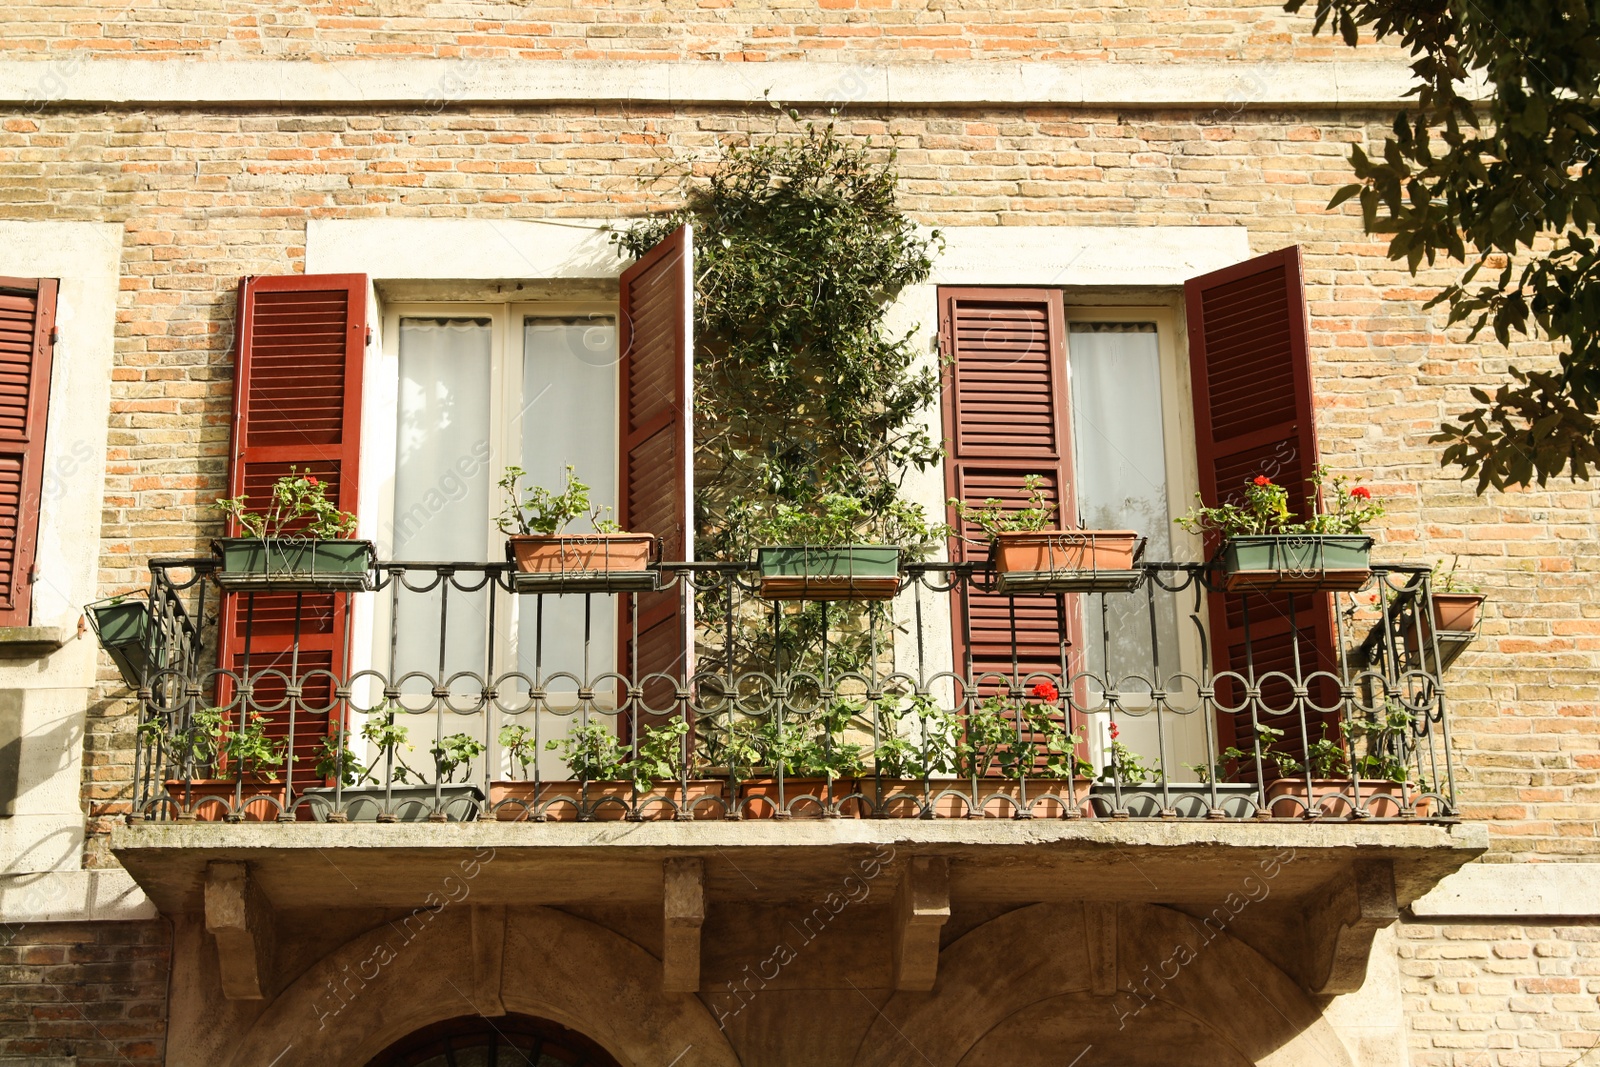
x=829 y=572
x=293 y=564
x=1296 y=563
x=122 y=626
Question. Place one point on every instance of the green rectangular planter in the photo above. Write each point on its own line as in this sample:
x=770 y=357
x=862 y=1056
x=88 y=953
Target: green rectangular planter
x=1296 y=563
x=406 y=803
x=122 y=626
x=829 y=572
x=293 y=564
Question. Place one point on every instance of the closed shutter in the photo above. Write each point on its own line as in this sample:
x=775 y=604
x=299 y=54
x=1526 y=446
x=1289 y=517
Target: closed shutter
x=656 y=340
x=1006 y=417
x=296 y=403
x=27 y=329
x=1251 y=370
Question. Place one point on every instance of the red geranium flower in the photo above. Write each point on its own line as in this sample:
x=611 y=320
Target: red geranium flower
x=1262 y=479
x=1046 y=691
x=1361 y=492
x=312 y=481
x=1114 y=731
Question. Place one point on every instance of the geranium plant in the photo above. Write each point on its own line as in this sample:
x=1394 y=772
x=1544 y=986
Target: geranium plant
x=994 y=518
x=544 y=511
x=299 y=508
x=1265 y=509
x=841 y=519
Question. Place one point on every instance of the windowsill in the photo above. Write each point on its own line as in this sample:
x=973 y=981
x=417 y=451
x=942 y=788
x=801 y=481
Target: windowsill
x=31 y=642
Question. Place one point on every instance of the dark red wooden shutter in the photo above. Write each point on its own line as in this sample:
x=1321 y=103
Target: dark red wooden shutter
x=1006 y=416
x=296 y=403
x=27 y=330
x=1251 y=369
x=656 y=340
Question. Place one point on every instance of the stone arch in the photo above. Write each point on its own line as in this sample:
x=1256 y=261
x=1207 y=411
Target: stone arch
x=555 y=966
x=1036 y=959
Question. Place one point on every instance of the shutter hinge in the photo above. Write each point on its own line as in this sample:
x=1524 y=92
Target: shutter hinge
x=33 y=572
x=369 y=335
x=54 y=334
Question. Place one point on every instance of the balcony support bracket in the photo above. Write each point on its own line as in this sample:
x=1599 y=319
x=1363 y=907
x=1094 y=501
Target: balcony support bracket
x=922 y=907
x=684 y=914
x=488 y=958
x=239 y=917
x=1340 y=922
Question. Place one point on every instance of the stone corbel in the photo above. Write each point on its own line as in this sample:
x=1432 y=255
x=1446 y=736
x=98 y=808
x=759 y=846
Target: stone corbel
x=1341 y=920
x=921 y=908
x=239 y=917
x=684 y=913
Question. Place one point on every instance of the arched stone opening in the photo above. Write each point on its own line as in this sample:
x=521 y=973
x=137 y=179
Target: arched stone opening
x=374 y=990
x=1101 y=985
x=512 y=1040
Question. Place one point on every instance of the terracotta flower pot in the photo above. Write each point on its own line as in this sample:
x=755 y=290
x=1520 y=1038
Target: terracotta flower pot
x=1057 y=561
x=606 y=801
x=211 y=799
x=1456 y=612
x=582 y=563
x=802 y=797
x=1286 y=798
x=995 y=798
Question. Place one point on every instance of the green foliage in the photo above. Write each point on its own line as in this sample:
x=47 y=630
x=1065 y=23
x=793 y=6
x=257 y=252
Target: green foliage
x=993 y=518
x=544 y=511
x=300 y=508
x=1020 y=739
x=1383 y=740
x=455 y=752
x=336 y=761
x=933 y=753
x=838 y=519
x=213 y=736
x=592 y=753
x=388 y=737
x=517 y=741
x=800 y=391
x=1266 y=509
x=1510 y=183
x=1450 y=581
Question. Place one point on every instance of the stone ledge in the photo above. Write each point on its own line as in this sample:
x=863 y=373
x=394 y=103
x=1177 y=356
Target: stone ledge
x=31 y=642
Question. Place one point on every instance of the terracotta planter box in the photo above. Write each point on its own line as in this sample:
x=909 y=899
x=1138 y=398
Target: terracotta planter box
x=1190 y=800
x=1456 y=612
x=831 y=572
x=211 y=799
x=606 y=801
x=583 y=563
x=1286 y=798
x=996 y=798
x=1065 y=561
x=1296 y=563
x=407 y=803
x=803 y=798
x=293 y=564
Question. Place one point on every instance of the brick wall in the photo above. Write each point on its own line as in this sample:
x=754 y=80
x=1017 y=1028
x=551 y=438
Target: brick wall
x=206 y=198
x=891 y=31
x=1491 y=995
x=94 y=990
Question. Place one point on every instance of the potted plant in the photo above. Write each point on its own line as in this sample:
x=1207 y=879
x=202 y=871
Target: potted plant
x=1379 y=783
x=549 y=560
x=611 y=781
x=840 y=548
x=407 y=797
x=122 y=627
x=1032 y=555
x=243 y=757
x=301 y=542
x=1264 y=550
x=1456 y=601
x=820 y=768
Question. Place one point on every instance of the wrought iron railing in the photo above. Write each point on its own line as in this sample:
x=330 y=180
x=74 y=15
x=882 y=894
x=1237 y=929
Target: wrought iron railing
x=950 y=701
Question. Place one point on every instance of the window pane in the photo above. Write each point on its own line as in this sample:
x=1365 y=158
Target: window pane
x=1121 y=470
x=441 y=487
x=569 y=416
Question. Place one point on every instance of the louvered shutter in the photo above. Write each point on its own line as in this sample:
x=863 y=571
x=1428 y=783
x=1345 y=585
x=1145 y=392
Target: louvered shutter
x=27 y=328
x=1251 y=370
x=1006 y=417
x=296 y=403
x=656 y=340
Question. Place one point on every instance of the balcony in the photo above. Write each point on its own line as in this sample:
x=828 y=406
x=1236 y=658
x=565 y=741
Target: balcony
x=1036 y=748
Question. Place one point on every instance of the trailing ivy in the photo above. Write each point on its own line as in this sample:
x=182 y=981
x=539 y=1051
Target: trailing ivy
x=800 y=390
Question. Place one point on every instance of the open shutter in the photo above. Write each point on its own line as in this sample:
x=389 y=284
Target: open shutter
x=296 y=403
x=656 y=340
x=1006 y=417
x=1251 y=369
x=27 y=332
